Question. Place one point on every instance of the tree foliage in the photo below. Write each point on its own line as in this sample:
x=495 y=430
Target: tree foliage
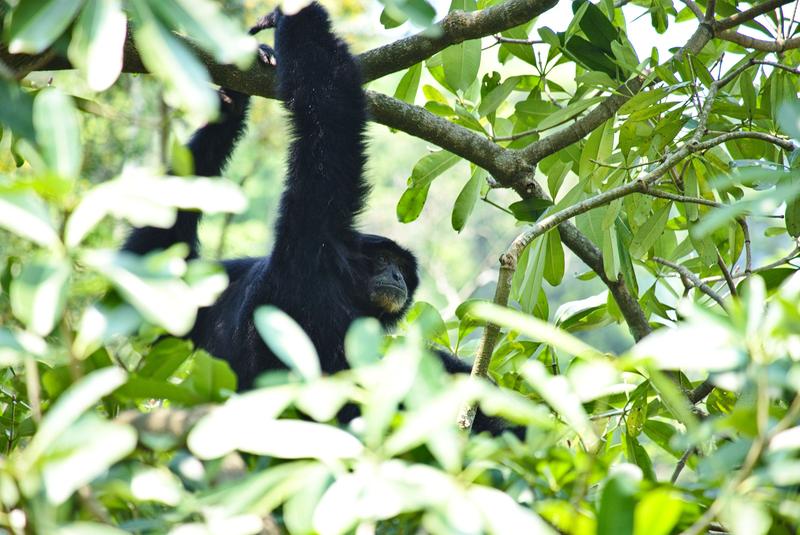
x=674 y=179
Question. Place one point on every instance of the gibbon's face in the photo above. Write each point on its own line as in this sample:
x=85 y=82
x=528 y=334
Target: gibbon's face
x=387 y=286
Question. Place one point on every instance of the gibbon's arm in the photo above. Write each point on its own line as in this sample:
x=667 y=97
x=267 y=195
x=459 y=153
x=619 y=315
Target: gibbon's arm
x=321 y=85
x=211 y=147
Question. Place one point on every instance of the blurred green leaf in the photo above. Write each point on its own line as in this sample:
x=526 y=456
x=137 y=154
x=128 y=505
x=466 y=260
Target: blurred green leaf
x=657 y=513
x=362 y=343
x=205 y=24
x=143 y=199
x=211 y=378
x=69 y=407
x=72 y=461
x=27 y=216
x=39 y=293
x=288 y=341
x=504 y=516
x=533 y=327
x=556 y=391
x=35 y=24
x=616 y=514
x=220 y=432
x=57 y=132
x=186 y=79
x=155 y=290
x=17 y=111
x=98 y=38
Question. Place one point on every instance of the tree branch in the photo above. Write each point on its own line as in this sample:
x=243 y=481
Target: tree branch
x=763 y=45
x=456 y=27
x=694 y=279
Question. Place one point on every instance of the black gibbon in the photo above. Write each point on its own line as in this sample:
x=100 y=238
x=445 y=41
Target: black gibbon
x=322 y=272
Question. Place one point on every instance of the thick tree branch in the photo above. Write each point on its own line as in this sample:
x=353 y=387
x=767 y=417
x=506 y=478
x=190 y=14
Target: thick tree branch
x=456 y=27
x=763 y=45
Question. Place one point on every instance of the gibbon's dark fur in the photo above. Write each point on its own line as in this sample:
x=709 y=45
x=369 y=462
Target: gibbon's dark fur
x=320 y=266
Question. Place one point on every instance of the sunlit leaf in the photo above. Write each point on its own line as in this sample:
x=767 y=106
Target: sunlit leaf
x=205 y=24
x=288 y=341
x=39 y=293
x=57 y=132
x=25 y=215
x=187 y=81
x=37 y=23
x=143 y=199
x=72 y=461
x=97 y=42
x=70 y=406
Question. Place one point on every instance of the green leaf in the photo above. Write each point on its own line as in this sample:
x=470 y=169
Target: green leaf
x=594 y=23
x=430 y=322
x=746 y=516
x=617 y=502
x=643 y=100
x=35 y=24
x=649 y=232
x=530 y=209
x=411 y=203
x=70 y=406
x=72 y=461
x=556 y=391
x=462 y=61
x=497 y=96
x=392 y=18
x=362 y=344
x=554 y=260
x=570 y=111
x=590 y=152
x=88 y=528
x=520 y=50
x=700 y=345
x=296 y=439
x=502 y=515
x=465 y=202
x=288 y=342
x=98 y=39
x=219 y=432
x=637 y=455
x=461 y=64
x=409 y=83
x=431 y=166
x=211 y=29
x=152 y=285
x=188 y=85
x=611 y=253
x=27 y=216
x=17 y=110
x=211 y=378
x=419 y=12
x=39 y=293
x=143 y=199
x=792 y=213
x=533 y=327
x=57 y=132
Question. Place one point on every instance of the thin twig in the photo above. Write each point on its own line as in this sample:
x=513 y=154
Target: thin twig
x=726 y=273
x=748 y=252
x=509 y=40
x=694 y=279
x=772 y=265
x=681 y=464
